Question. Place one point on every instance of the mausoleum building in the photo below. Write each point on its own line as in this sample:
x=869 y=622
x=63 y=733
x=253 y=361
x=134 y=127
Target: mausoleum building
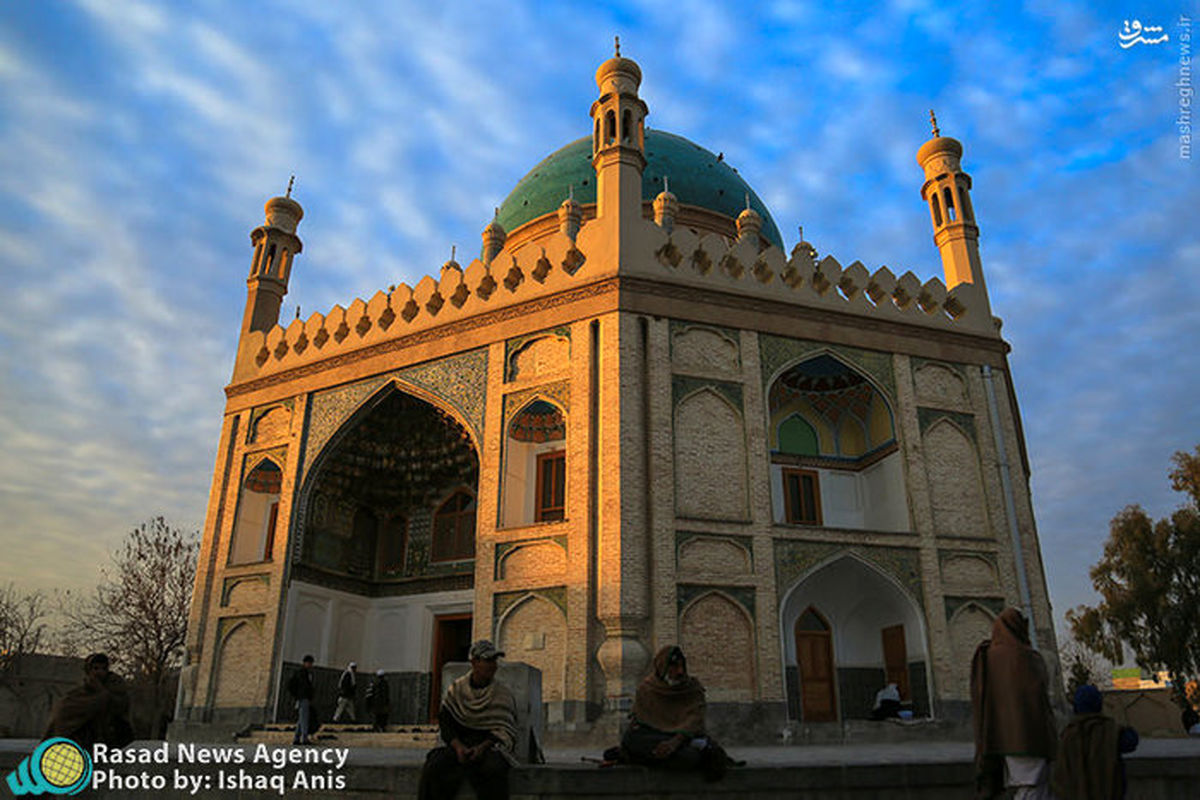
x=634 y=420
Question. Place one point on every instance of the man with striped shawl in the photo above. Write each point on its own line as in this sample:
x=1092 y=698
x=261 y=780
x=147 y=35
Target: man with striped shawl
x=478 y=722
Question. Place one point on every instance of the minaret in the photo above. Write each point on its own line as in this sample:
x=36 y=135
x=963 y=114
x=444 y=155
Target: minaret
x=618 y=140
x=947 y=190
x=275 y=245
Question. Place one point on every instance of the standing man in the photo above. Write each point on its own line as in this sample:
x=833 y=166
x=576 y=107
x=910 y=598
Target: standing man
x=379 y=700
x=1015 y=735
x=347 y=693
x=478 y=722
x=302 y=686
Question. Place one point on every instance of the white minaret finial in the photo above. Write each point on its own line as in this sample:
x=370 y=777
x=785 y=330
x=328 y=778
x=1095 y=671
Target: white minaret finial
x=666 y=183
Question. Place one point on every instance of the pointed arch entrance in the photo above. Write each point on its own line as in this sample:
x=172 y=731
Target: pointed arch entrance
x=385 y=548
x=848 y=629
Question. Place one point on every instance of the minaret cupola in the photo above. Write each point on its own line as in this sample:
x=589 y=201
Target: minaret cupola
x=275 y=245
x=947 y=191
x=619 y=138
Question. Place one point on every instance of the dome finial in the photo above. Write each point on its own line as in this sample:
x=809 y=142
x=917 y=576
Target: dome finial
x=666 y=183
x=453 y=251
x=933 y=121
x=617 y=46
x=291 y=182
x=747 y=201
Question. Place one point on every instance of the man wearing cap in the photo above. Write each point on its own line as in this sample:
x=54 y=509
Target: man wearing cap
x=478 y=723
x=347 y=692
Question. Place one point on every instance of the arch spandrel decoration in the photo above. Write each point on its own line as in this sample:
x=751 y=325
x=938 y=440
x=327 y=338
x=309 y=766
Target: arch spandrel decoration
x=793 y=558
x=503 y=601
x=775 y=352
x=557 y=393
x=513 y=348
x=459 y=381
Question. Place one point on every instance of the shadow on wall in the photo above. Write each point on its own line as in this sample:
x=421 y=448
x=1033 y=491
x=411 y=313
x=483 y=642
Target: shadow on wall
x=32 y=683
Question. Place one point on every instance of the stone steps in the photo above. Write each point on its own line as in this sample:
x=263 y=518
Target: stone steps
x=417 y=737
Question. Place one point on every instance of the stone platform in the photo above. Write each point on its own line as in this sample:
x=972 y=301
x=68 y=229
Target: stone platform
x=1161 y=769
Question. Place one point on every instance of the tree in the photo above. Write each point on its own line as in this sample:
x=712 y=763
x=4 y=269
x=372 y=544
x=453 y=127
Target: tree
x=1149 y=582
x=22 y=622
x=1081 y=665
x=138 y=613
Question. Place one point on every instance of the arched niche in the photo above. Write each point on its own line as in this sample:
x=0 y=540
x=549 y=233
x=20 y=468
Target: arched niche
x=877 y=634
x=717 y=637
x=955 y=482
x=257 y=516
x=533 y=488
x=239 y=667
x=710 y=457
x=534 y=630
x=834 y=460
x=969 y=625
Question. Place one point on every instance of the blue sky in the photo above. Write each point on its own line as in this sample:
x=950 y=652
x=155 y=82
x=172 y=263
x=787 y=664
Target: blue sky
x=138 y=142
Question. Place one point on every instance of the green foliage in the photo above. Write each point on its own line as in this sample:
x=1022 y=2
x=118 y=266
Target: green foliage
x=1149 y=582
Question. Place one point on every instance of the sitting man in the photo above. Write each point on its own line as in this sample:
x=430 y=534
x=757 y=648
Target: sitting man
x=97 y=711
x=478 y=722
x=667 y=721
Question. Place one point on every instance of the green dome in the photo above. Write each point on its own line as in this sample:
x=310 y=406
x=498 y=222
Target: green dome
x=695 y=175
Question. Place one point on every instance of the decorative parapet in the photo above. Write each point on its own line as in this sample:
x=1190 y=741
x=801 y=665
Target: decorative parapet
x=711 y=261
x=555 y=263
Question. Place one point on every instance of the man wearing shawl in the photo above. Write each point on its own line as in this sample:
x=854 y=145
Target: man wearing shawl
x=1089 y=765
x=97 y=711
x=347 y=693
x=667 y=721
x=478 y=723
x=1015 y=735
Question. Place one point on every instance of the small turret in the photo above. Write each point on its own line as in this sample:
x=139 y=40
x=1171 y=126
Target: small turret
x=947 y=190
x=570 y=216
x=494 y=237
x=666 y=207
x=275 y=245
x=749 y=224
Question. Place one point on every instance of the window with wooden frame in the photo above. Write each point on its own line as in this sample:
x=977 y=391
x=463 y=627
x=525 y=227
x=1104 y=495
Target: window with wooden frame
x=454 y=528
x=551 y=486
x=802 y=497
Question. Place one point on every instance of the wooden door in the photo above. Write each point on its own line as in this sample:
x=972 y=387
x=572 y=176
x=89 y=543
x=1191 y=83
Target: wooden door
x=451 y=642
x=814 y=657
x=895 y=658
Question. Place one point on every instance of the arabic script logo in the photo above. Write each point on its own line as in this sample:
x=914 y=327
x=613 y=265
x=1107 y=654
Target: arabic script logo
x=57 y=766
x=1134 y=33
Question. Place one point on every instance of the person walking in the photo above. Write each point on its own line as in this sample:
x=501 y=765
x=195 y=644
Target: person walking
x=302 y=687
x=379 y=700
x=347 y=693
x=1015 y=735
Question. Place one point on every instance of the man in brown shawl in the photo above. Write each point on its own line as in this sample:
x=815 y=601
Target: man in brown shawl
x=1015 y=734
x=1089 y=765
x=478 y=722
x=97 y=711
x=667 y=721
